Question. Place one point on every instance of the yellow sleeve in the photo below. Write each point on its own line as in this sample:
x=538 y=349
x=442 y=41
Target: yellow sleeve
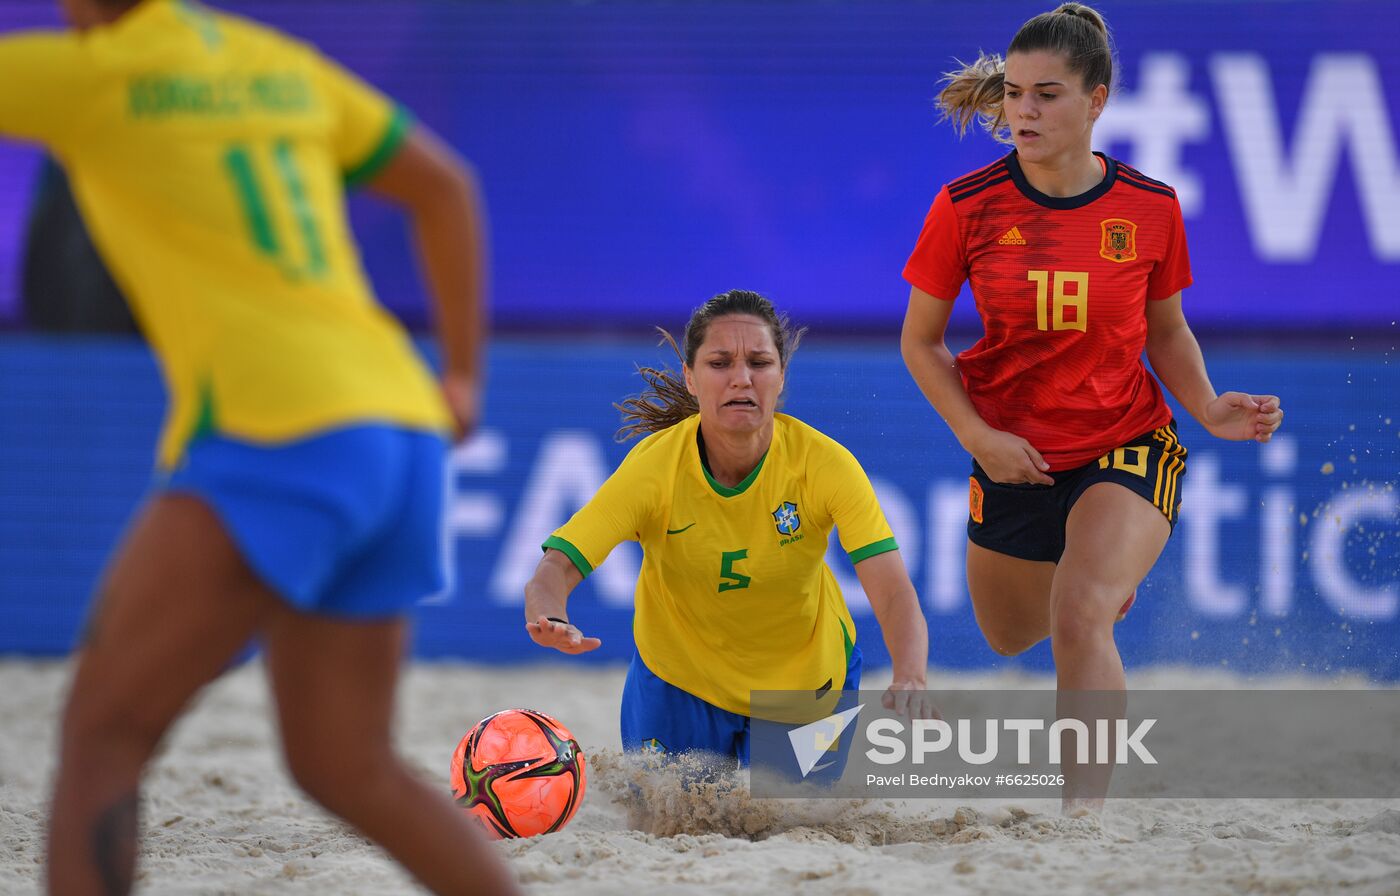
x=614 y=515
x=860 y=524
x=46 y=77
x=368 y=126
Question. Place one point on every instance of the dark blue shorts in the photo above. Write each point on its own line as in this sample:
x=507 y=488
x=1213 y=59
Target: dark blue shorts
x=347 y=523
x=659 y=716
x=1027 y=520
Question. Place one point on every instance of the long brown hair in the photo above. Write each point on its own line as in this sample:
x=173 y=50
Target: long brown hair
x=975 y=91
x=666 y=401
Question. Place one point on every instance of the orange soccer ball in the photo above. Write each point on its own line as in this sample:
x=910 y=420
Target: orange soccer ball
x=518 y=773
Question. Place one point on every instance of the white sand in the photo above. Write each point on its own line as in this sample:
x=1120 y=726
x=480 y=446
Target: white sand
x=221 y=816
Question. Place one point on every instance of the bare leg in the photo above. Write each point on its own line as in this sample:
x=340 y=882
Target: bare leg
x=1112 y=539
x=335 y=682
x=177 y=604
x=1011 y=598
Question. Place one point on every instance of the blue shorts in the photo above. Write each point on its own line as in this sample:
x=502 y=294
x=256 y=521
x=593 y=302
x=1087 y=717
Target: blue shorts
x=658 y=716
x=347 y=523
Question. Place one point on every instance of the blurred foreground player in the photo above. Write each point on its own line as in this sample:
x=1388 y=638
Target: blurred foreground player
x=300 y=469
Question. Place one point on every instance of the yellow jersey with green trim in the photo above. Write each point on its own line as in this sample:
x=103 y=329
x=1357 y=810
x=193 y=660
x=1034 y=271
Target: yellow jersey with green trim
x=734 y=593
x=208 y=155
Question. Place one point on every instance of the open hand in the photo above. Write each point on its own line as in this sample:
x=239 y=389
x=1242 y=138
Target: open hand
x=1239 y=416
x=564 y=637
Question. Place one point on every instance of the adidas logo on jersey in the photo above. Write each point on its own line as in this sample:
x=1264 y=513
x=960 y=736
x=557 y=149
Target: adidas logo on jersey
x=1012 y=237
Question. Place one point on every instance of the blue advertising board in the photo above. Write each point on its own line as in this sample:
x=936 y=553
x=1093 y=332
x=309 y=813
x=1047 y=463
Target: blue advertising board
x=1287 y=556
x=638 y=157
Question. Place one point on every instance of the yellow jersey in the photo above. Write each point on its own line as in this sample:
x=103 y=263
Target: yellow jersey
x=209 y=155
x=734 y=593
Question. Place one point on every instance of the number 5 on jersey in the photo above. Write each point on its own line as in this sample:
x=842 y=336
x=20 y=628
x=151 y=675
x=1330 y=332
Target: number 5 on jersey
x=1062 y=300
x=727 y=571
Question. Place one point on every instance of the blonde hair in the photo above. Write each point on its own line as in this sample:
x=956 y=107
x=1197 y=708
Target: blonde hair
x=975 y=90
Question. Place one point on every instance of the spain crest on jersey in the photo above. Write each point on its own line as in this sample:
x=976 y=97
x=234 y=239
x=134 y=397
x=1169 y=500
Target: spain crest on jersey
x=786 y=518
x=1119 y=241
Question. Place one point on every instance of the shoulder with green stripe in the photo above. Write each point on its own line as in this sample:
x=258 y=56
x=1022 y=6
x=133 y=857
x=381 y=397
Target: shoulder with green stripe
x=400 y=123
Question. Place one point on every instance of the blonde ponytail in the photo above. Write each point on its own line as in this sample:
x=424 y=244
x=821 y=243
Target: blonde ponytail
x=975 y=92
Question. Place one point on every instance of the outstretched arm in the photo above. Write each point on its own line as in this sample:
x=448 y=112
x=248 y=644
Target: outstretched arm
x=440 y=192
x=546 y=596
x=1176 y=359
x=896 y=606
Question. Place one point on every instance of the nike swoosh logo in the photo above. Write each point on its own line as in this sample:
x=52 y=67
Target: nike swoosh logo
x=678 y=531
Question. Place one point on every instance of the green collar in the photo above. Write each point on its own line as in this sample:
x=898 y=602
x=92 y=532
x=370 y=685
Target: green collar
x=725 y=491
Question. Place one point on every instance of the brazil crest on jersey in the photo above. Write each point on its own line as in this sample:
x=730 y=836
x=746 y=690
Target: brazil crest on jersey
x=208 y=155
x=734 y=594
x=1061 y=284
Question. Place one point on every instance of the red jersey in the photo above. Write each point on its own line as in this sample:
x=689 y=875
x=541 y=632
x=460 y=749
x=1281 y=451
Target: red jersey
x=1062 y=285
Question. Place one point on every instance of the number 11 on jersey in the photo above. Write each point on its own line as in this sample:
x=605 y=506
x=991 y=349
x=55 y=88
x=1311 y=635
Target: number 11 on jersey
x=258 y=215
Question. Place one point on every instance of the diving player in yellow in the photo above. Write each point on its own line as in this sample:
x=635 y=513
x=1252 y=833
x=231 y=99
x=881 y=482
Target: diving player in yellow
x=733 y=504
x=300 y=482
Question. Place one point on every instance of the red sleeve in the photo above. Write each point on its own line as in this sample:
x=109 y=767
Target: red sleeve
x=938 y=264
x=1173 y=273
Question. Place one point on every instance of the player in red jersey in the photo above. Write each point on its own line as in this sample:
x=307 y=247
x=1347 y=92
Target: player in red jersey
x=1076 y=263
